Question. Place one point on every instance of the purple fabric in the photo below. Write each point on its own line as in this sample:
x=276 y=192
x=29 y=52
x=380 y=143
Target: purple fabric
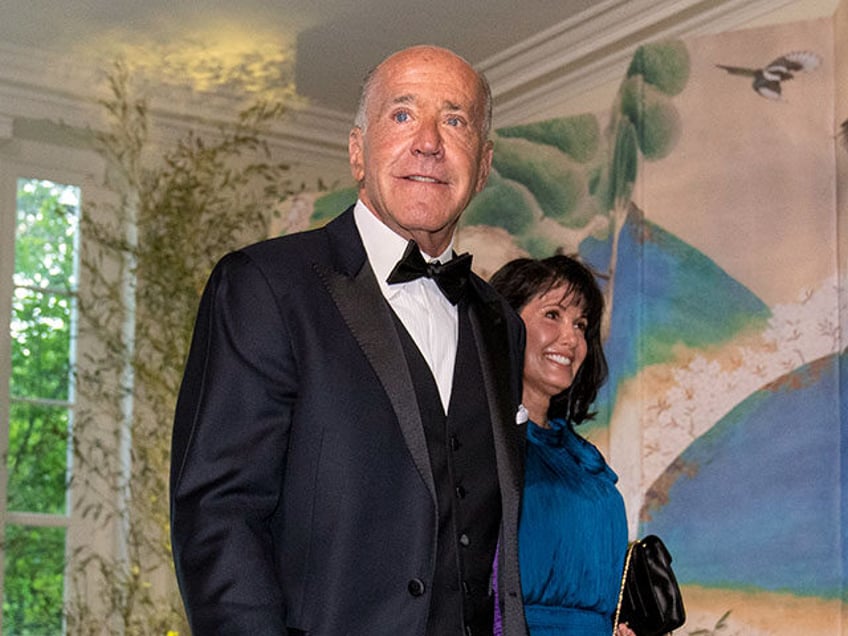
x=498 y=626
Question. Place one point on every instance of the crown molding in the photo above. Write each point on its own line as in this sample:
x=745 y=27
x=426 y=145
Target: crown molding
x=529 y=80
x=594 y=48
x=38 y=85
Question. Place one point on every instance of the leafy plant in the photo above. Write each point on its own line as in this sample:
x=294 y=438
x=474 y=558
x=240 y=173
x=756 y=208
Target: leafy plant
x=175 y=211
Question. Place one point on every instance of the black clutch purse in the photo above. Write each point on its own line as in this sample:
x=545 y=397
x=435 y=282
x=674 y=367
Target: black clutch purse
x=649 y=600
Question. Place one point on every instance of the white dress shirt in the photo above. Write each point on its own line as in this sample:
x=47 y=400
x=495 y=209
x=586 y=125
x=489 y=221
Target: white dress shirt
x=428 y=316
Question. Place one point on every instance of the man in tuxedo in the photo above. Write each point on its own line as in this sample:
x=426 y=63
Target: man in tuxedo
x=345 y=456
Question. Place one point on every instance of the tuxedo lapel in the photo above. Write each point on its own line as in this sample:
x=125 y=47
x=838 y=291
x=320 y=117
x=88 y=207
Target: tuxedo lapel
x=491 y=333
x=502 y=380
x=354 y=289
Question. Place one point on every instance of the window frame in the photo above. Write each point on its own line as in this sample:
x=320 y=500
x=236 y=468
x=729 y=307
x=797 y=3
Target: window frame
x=64 y=164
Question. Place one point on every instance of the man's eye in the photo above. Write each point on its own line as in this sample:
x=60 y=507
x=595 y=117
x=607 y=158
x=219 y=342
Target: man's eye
x=401 y=116
x=454 y=121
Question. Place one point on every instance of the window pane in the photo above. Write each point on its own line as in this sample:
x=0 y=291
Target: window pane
x=37 y=460
x=41 y=345
x=33 y=588
x=42 y=348
x=48 y=218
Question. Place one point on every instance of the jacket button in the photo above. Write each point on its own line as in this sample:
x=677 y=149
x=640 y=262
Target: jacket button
x=464 y=541
x=416 y=587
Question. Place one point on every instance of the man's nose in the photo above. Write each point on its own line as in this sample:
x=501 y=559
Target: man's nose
x=428 y=139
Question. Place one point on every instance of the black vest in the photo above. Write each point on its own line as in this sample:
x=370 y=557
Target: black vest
x=462 y=457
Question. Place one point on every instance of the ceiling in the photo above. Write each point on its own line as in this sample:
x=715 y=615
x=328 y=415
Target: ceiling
x=334 y=42
x=541 y=56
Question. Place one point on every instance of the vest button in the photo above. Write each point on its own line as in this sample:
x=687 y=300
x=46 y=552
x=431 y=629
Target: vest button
x=464 y=541
x=460 y=492
x=416 y=587
x=454 y=443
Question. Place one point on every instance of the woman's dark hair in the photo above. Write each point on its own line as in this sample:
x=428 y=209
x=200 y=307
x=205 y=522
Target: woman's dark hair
x=523 y=279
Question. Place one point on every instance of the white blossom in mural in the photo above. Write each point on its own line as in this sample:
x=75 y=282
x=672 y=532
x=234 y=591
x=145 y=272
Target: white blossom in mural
x=712 y=384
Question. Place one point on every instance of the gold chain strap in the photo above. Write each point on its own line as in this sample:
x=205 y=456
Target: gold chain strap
x=621 y=588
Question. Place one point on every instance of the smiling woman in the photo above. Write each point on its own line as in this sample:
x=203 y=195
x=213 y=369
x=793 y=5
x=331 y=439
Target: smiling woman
x=556 y=347
x=573 y=532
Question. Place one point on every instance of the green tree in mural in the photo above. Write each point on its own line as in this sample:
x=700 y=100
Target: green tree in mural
x=539 y=191
x=644 y=124
x=556 y=182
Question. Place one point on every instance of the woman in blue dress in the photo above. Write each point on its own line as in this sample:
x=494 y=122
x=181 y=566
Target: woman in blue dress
x=573 y=530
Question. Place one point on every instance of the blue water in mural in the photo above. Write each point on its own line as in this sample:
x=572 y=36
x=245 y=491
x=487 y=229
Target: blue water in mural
x=780 y=455
x=669 y=292
x=666 y=293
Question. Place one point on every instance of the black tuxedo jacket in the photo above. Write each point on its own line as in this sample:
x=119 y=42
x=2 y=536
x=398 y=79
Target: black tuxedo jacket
x=302 y=498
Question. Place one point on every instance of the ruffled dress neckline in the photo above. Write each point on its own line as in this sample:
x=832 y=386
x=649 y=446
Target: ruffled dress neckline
x=560 y=433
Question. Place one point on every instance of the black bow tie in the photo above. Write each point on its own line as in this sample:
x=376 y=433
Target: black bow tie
x=451 y=277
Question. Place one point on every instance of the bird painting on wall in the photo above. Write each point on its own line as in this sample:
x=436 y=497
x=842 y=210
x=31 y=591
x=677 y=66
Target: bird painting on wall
x=768 y=80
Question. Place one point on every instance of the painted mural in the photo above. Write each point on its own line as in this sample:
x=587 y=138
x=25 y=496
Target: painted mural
x=711 y=199
x=742 y=436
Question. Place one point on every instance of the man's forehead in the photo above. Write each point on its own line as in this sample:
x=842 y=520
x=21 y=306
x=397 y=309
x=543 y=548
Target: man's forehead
x=413 y=98
x=439 y=69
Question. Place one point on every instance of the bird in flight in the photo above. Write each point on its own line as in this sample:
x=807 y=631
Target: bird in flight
x=768 y=80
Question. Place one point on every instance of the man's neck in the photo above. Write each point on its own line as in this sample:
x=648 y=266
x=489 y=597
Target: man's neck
x=432 y=244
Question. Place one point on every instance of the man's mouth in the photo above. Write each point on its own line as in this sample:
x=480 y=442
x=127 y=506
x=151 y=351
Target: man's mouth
x=422 y=179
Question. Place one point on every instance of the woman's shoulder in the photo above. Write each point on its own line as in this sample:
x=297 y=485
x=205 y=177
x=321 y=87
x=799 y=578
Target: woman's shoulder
x=584 y=452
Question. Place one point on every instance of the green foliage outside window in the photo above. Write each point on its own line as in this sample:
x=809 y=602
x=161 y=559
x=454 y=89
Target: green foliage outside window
x=45 y=278
x=33 y=589
x=38 y=442
x=46 y=232
x=39 y=415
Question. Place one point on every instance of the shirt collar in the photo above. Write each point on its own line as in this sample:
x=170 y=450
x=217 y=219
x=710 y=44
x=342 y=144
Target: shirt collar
x=384 y=247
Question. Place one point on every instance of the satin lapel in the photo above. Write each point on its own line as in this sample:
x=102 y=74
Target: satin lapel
x=491 y=333
x=500 y=359
x=367 y=315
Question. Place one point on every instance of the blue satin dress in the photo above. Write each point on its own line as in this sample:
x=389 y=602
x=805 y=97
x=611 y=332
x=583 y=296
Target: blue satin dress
x=572 y=536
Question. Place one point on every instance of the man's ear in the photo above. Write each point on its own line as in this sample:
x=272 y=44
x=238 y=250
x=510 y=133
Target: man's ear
x=356 y=154
x=485 y=166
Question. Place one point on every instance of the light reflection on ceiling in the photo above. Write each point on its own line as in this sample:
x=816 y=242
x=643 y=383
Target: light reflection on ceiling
x=216 y=58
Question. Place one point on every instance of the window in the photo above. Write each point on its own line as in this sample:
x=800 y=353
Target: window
x=40 y=405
